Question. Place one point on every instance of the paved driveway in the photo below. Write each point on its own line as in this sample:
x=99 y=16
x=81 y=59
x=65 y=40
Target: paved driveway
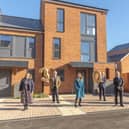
x=12 y=109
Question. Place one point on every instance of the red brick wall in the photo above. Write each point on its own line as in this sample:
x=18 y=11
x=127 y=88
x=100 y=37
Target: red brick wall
x=70 y=39
x=38 y=62
x=102 y=68
x=125 y=65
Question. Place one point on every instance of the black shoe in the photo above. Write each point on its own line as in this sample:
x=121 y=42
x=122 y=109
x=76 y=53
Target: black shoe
x=25 y=108
x=75 y=105
x=80 y=105
x=122 y=105
x=58 y=102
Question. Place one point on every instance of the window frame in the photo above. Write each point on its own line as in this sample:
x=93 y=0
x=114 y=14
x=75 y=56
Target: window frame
x=86 y=26
x=53 y=49
x=61 y=74
x=107 y=71
x=59 y=22
x=86 y=53
x=12 y=47
x=7 y=41
x=34 y=52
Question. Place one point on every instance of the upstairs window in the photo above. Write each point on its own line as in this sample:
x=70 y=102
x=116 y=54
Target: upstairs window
x=17 y=46
x=85 y=51
x=88 y=24
x=5 y=41
x=56 y=48
x=31 y=47
x=60 y=20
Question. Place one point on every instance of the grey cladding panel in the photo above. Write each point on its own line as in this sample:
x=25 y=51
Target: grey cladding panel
x=19 y=46
x=13 y=64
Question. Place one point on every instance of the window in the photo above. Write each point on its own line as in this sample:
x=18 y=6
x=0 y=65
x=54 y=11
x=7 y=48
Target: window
x=60 y=20
x=32 y=72
x=85 y=52
x=17 y=46
x=107 y=73
x=5 y=41
x=61 y=74
x=88 y=24
x=56 y=48
x=31 y=47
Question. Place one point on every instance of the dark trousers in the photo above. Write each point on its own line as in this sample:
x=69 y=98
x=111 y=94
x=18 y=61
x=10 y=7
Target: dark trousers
x=26 y=101
x=102 y=92
x=79 y=103
x=26 y=106
x=55 y=96
x=119 y=93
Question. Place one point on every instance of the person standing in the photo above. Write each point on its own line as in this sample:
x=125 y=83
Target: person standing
x=118 y=88
x=102 y=86
x=26 y=88
x=55 y=85
x=79 y=89
x=32 y=87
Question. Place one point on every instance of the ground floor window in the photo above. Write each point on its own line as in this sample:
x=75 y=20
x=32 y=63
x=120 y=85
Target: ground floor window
x=61 y=74
x=32 y=72
x=107 y=73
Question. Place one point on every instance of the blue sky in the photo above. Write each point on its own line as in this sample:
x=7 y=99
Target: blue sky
x=117 y=18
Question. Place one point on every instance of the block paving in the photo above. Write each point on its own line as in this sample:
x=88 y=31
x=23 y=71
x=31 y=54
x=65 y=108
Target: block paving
x=43 y=107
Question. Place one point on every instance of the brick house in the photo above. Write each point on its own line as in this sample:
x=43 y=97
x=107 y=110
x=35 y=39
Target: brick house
x=68 y=37
x=120 y=55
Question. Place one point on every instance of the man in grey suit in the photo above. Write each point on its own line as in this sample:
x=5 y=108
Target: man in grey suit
x=55 y=84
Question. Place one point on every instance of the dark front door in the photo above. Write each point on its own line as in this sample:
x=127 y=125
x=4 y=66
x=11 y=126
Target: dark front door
x=88 y=80
x=5 y=88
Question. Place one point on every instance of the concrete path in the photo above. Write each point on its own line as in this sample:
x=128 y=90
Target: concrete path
x=69 y=109
x=44 y=107
x=13 y=109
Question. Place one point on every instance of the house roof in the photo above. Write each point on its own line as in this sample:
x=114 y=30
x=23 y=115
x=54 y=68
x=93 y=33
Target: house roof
x=119 y=55
x=76 y=4
x=120 y=47
x=20 y=23
x=116 y=58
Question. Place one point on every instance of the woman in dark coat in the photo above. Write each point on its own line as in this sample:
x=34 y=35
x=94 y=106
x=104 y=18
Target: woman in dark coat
x=26 y=88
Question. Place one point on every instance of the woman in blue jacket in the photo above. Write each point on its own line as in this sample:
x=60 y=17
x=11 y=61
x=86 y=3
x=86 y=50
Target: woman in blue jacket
x=79 y=89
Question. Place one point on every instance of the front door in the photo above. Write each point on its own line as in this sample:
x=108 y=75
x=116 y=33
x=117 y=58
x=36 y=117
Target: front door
x=88 y=81
x=5 y=88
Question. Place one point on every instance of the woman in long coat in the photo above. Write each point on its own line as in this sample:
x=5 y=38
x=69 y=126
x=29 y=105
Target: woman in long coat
x=79 y=89
x=26 y=88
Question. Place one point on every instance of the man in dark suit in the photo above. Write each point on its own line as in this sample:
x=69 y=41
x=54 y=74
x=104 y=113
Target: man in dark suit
x=102 y=86
x=118 y=88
